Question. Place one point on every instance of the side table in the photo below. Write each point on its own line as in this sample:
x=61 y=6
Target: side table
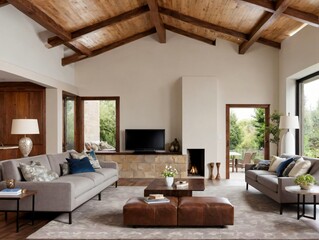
x=314 y=191
x=18 y=198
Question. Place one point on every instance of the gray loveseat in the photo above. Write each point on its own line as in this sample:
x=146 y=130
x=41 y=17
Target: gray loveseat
x=60 y=195
x=274 y=187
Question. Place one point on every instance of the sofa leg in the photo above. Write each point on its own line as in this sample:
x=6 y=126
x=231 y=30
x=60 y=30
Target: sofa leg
x=70 y=217
x=99 y=196
x=246 y=186
x=281 y=208
x=116 y=184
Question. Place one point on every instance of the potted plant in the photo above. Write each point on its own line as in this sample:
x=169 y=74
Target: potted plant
x=273 y=129
x=305 y=181
x=169 y=173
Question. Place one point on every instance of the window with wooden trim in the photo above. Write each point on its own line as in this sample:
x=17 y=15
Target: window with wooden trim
x=101 y=123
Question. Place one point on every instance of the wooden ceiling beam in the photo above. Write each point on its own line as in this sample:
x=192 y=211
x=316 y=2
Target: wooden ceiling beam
x=77 y=57
x=157 y=20
x=3 y=3
x=56 y=41
x=216 y=28
x=295 y=14
x=40 y=17
x=191 y=35
x=201 y=23
x=300 y=16
x=264 y=23
x=78 y=48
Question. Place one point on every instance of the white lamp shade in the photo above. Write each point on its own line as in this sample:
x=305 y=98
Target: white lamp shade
x=25 y=126
x=289 y=122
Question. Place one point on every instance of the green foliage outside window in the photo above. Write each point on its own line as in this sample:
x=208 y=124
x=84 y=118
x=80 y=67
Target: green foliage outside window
x=235 y=132
x=311 y=132
x=69 y=131
x=260 y=125
x=274 y=130
x=108 y=122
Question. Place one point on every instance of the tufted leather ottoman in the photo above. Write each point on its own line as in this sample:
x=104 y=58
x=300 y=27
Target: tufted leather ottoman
x=136 y=212
x=205 y=211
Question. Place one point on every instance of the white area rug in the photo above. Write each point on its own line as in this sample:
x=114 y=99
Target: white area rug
x=256 y=217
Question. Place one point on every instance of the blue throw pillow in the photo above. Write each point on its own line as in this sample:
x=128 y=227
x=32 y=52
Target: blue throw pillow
x=80 y=165
x=282 y=166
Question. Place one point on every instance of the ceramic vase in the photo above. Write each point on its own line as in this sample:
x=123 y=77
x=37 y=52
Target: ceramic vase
x=306 y=186
x=169 y=181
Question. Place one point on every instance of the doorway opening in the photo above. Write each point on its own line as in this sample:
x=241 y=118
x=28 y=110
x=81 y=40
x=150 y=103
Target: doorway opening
x=246 y=136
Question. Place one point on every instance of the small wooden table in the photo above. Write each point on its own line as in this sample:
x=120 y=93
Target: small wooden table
x=159 y=186
x=18 y=198
x=314 y=191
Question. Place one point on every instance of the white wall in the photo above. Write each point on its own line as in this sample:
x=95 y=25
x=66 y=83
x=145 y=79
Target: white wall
x=24 y=57
x=299 y=57
x=199 y=117
x=145 y=74
x=23 y=51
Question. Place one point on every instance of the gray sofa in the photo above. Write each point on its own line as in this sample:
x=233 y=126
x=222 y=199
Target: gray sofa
x=274 y=187
x=60 y=195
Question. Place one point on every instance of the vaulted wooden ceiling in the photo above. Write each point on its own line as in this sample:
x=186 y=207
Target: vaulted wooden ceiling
x=91 y=27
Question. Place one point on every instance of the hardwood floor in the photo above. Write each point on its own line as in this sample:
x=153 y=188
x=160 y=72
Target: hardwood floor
x=8 y=229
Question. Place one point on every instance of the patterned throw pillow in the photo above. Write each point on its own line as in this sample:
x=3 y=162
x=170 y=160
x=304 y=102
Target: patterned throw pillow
x=93 y=160
x=262 y=165
x=37 y=173
x=65 y=170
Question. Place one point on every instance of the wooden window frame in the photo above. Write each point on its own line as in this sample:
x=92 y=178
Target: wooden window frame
x=267 y=116
x=80 y=108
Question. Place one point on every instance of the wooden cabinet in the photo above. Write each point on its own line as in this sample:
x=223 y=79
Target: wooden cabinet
x=9 y=153
x=22 y=100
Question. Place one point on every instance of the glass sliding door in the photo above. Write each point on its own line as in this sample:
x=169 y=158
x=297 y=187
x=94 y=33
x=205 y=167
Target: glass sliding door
x=309 y=117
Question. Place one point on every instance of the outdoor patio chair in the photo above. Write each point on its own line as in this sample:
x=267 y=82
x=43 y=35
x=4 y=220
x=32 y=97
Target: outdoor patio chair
x=248 y=157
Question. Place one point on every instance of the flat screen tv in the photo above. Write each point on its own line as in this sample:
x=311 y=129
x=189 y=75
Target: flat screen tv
x=145 y=140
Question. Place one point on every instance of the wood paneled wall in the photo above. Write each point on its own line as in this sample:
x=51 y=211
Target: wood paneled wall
x=22 y=100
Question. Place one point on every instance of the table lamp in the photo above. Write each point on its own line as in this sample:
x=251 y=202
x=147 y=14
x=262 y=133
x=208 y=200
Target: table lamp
x=288 y=139
x=25 y=126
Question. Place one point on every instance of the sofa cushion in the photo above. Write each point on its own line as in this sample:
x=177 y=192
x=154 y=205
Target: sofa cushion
x=56 y=159
x=80 y=165
x=253 y=174
x=11 y=167
x=79 y=183
x=301 y=167
x=97 y=178
x=35 y=172
x=269 y=181
x=107 y=172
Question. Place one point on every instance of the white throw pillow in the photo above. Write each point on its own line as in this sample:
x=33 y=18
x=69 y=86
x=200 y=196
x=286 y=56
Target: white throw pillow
x=301 y=167
x=275 y=161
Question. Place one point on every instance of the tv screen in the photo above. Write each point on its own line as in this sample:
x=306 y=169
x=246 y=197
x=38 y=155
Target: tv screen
x=145 y=140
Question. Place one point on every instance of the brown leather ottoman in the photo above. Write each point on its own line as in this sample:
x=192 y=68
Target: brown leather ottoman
x=136 y=212
x=205 y=211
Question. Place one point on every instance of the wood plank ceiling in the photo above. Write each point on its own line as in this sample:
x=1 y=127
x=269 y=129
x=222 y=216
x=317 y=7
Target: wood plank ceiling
x=92 y=27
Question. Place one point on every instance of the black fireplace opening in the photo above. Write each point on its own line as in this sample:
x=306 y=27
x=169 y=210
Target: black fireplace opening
x=196 y=162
